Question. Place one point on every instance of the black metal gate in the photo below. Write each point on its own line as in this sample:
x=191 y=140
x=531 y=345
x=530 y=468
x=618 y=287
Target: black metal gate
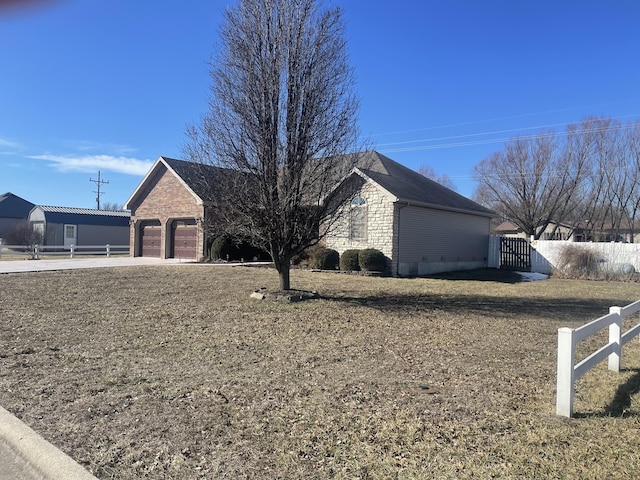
x=515 y=254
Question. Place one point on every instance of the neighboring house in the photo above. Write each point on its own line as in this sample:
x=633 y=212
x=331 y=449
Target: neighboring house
x=551 y=232
x=509 y=229
x=582 y=232
x=66 y=226
x=168 y=210
x=13 y=210
x=624 y=232
x=559 y=231
x=421 y=226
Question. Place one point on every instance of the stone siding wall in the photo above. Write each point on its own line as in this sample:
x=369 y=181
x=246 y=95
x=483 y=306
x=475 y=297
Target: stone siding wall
x=379 y=230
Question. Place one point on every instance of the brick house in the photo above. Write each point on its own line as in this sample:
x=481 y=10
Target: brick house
x=168 y=211
x=421 y=226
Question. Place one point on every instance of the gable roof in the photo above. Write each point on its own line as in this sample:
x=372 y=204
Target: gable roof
x=197 y=178
x=12 y=206
x=411 y=187
x=508 y=227
x=406 y=185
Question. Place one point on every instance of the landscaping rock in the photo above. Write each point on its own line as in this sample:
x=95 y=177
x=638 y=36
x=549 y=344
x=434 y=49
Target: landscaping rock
x=284 y=295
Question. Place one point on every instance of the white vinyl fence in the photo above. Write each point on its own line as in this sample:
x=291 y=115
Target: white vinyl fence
x=568 y=338
x=37 y=250
x=613 y=256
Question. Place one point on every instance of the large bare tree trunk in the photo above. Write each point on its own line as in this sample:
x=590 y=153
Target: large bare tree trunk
x=282 y=114
x=284 y=275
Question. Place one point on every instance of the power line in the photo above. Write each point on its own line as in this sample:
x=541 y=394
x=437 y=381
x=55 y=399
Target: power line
x=476 y=122
x=496 y=140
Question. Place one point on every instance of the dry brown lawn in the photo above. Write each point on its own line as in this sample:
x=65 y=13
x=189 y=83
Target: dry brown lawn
x=173 y=372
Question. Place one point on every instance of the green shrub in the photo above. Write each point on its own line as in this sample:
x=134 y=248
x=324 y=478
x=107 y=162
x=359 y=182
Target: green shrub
x=248 y=252
x=225 y=248
x=325 y=259
x=372 y=260
x=349 y=260
x=222 y=248
x=303 y=259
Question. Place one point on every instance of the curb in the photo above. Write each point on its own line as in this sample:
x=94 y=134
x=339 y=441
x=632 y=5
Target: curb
x=38 y=454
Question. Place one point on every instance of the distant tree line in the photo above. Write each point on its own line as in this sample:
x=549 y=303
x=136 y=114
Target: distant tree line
x=586 y=177
x=112 y=206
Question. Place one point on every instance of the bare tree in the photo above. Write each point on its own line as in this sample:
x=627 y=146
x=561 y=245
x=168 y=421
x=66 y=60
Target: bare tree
x=597 y=211
x=529 y=182
x=444 y=179
x=587 y=178
x=633 y=165
x=23 y=233
x=281 y=114
x=111 y=206
x=622 y=174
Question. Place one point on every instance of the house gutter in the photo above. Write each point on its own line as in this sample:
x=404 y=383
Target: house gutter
x=433 y=206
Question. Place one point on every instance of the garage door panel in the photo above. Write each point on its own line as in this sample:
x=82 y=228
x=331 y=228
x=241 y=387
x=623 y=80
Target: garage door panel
x=150 y=244
x=185 y=241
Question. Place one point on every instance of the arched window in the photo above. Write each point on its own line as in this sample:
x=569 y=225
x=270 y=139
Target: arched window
x=358 y=219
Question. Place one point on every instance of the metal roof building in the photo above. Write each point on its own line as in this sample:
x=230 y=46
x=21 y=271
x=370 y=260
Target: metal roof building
x=68 y=226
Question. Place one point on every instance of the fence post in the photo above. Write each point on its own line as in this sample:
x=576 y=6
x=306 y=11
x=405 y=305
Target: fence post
x=564 y=386
x=615 y=337
x=72 y=247
x=36 y=251
x=108 y=250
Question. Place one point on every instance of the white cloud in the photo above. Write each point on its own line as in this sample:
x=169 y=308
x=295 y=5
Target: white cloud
x=4 y=143
x=89 y=145
x=91 y=163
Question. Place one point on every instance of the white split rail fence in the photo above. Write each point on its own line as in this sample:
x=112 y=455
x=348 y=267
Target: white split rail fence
x=71 y=251
x=569 y=338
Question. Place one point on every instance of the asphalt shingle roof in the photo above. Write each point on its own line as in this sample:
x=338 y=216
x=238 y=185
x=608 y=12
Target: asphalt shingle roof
x=412 y=187
x=406 y=184
x=199 y=177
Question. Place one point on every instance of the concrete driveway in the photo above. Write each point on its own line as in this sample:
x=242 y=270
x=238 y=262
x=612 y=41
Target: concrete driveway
x=16 y=266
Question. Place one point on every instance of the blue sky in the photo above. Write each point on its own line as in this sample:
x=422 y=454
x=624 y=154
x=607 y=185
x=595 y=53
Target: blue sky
x=110 y=85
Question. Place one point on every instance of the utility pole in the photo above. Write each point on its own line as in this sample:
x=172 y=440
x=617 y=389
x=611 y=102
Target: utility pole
x=98 y=182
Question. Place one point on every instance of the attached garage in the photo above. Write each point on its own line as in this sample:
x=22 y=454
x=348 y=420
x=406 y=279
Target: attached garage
x=184 y=239
x=168 y=210
x=151 y=239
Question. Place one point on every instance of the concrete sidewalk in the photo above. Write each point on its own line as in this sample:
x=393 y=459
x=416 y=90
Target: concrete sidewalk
x=17 y=266
x=25 y=455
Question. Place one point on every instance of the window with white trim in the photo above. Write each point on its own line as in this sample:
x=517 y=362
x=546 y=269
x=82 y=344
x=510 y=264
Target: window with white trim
x=70 y=232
